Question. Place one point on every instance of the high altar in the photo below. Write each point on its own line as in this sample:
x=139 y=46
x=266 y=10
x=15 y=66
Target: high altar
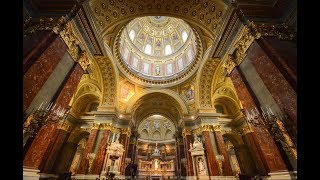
x=156 y=168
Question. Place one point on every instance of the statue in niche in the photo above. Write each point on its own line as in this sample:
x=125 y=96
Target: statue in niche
x=157 y=70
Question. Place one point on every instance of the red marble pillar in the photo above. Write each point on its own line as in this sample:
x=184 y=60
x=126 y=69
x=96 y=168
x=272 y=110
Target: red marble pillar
x=34 y=45
x=265 y=152
x=187 y=140
x=99 y=159
x=269 y=151
x=273 y=79
x=279 y=61
x=38 y=148
x=60 y=136
x=70 y=87
x=241 y=89
x=226 y=167
x=41 y=69
x=124 y=140
x=211 y=158
x=84 y=164
x=250 y=140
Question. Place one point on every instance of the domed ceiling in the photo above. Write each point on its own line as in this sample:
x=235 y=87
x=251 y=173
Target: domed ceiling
x=157 y=49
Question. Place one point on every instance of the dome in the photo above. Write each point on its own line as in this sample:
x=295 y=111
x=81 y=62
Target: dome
x=157 y=48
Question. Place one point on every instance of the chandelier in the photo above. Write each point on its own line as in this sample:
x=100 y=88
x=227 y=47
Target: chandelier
x=274 y=124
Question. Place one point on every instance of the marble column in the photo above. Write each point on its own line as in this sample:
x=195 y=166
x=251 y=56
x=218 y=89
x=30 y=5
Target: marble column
x=283 y=60
x=226 y=166
x=264 y=150
x=61 y=135
x=35 y=155
x=70 y=86
x=34 y=45
x=211 y=158
x=124 y=140
x=65 y=159
x=280 y=89
x=84 y=164
x=37 y=74
x=187 y=141
x=98 y=161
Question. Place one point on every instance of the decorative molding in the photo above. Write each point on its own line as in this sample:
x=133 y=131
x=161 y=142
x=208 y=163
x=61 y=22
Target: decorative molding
x=64 y=126
x=206 y=79
x=281 y=31
x=109 y=87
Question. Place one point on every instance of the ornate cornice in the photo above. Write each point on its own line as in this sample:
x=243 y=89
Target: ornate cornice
x=65 y=126
x=254 y=31
x=281 y=31
x=32 y=25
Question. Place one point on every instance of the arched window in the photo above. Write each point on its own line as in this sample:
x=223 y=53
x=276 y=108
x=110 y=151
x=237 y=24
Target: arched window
x=167 y=50
x=147 y=50
x=132 y=34
x=184 y=36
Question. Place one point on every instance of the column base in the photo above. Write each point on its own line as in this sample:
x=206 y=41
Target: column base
x=86 y=176
x=224 y=178
x=30 y=173
x=48 y=176
x=283 y=175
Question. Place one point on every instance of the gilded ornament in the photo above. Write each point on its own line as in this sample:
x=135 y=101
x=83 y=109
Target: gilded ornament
x=65 y=126
x=186 y=132
x=217 y=128
x=95 y=126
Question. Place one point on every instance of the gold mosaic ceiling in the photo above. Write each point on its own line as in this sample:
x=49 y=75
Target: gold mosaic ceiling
x=157 y=47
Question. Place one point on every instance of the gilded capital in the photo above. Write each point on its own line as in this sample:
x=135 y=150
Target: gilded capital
x=217 y=128
x=95 y=126
x=186 y=132
x=126 y=131
x=203 y=128
x=64 y=126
